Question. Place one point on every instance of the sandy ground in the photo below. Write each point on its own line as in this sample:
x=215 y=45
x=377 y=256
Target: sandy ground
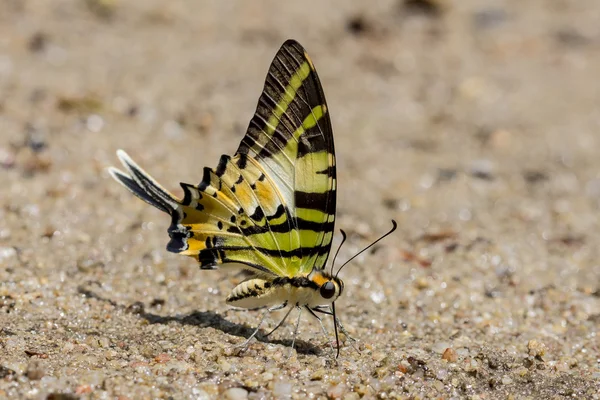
x=474 y=124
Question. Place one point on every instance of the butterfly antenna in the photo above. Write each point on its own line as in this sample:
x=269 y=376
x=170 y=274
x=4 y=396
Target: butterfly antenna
x=395 y=225
x=338 y=250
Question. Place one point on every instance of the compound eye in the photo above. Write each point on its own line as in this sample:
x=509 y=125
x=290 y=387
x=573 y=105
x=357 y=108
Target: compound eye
x=327 y=290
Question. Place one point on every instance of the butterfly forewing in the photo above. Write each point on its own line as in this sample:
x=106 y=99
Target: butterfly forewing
x=270 y=207
x=290 y=135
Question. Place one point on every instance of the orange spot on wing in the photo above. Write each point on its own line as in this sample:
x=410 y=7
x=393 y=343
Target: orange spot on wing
x=244 y=195
x=266 y=196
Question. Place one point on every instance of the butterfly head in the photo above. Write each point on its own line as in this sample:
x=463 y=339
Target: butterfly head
x=329 y=287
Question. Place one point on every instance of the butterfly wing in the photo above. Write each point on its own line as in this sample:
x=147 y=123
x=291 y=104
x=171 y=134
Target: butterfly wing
x=291 y=137
x=271 y=207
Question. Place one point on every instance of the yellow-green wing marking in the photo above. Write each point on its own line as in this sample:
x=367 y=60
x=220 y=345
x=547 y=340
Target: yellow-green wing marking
x=271 y=207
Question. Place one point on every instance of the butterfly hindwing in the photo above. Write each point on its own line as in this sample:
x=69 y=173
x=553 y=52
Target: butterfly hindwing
x=271 y=207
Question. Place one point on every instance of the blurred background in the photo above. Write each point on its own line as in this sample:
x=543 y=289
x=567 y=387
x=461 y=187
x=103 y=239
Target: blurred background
x=473 y=124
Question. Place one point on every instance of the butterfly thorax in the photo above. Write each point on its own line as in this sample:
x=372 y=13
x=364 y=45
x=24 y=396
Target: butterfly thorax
x=315 y=289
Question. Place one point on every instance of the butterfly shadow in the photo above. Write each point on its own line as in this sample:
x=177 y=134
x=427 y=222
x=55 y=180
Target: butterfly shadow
x=205 y=319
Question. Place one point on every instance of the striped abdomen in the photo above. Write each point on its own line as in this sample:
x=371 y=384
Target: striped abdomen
x=297 y=291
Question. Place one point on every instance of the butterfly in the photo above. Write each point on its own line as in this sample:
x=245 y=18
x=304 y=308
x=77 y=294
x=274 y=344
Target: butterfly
x=269 y=209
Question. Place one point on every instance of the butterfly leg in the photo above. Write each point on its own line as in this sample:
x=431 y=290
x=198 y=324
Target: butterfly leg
x=280 y=322
x=322 y=326
x=327 y=310
x=262 y=319
x=296 y=330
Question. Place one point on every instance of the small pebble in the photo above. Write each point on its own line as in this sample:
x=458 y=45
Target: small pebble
x=440 y=347
x=104 y=342
x=483 y=169
x=462 y=352
x=318 y=374
x=282 y=390
x=83 y=389
x=94 y=123
x=224 y=365
x=337 y=391
x=450 y=355
x=377 y=296
x=472 y=366
x=267 y=376
x=173 y=129
x=314 y=390
x=35 y=370
x=7 y=158
x=441 y=374
x=536 y=348
x=7 y=252
x=68 y=347
x=235 y=394
x=35 y=138
x=198 y=355
x=162 y=358
x=362 y=229
x=522 y=371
